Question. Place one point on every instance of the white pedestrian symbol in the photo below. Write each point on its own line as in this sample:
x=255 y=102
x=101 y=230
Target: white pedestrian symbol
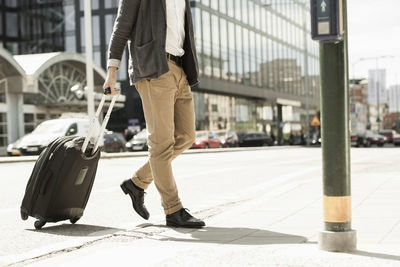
x=323 y=6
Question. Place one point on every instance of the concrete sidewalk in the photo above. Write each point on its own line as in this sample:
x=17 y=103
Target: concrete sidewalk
x=275 y=225
x=104 y=155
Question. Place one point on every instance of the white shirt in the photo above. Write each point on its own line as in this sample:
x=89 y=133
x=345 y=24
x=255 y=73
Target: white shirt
x=175 y=10
x=175 y=13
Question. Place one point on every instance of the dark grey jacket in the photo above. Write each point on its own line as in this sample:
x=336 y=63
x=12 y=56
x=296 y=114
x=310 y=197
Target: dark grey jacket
x=142 y=24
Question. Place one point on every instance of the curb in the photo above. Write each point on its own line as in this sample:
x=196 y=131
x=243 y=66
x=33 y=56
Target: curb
x=105 y=155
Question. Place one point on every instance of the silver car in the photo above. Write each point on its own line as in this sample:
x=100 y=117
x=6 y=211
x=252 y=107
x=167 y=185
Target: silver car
x=138 y=142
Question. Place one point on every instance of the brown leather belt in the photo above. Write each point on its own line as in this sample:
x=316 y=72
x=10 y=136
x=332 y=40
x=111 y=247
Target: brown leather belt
x=177 y=60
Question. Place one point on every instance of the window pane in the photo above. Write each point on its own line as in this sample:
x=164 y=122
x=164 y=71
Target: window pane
x=259 y=58
x=214 y=5
x=70 y=20
x=3 y=130
x=28 y=117
x=1 y=23
x=232 y=50
x=222 y=6
x=246 y=55
x=257 y=12
x=251 y=13
x=264 y=70
x=206 y=2
x=197 y=34
x=230 y=8
x=238 y=9
x=97 y=57
x=245 y=11
x=111 y=3
x=2 y=93
x=3 y=141
x=70 y=44
x=215 y=47
x=239 y=52
x=96 y=30
x=224 y=49
x=40 y=116
x=11 y=3
x=253 y=67
x=206 y=42
x=12 y=24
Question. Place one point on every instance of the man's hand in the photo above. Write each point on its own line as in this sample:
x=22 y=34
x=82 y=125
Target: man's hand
x=111 y=81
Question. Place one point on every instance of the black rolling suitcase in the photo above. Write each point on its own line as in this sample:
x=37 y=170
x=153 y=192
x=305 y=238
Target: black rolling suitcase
x=62 y=178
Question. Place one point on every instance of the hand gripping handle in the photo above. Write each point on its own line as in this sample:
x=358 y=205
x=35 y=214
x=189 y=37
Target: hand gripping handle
x=96 y=118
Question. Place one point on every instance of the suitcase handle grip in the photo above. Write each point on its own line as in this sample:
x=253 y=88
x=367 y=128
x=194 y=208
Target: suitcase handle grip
x=94 y=119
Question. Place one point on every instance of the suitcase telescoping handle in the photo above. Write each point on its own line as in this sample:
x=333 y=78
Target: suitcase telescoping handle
x=95 y=119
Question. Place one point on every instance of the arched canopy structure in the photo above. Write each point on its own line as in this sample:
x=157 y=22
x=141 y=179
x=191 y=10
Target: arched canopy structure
x=52 y=75
x=37 y=87
x=11 y=73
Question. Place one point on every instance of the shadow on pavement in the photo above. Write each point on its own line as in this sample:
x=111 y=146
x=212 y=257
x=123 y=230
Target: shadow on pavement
x=368 y=254
x=236 y=236
x=376 y=255
x=77 y=230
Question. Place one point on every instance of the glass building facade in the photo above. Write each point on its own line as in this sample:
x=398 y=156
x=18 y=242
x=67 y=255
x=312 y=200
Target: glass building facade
x=258 y=64
x=40 y=26
x=28 y=27
x=252 y=53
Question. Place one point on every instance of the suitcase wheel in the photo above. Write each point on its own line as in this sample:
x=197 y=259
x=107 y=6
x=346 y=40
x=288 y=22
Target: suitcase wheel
x=74 y=220
x=39 y=224
x=24 y=216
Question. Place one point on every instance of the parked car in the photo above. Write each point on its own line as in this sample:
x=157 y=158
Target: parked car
x=396 y=139
x=389 y=134
x=357 y=141
x=372 y=138
x=34 y=142
x=138 y=142
x=296 y=140
x=228 y=138
x=206 y=139
x=114 y=142
x=254 y=139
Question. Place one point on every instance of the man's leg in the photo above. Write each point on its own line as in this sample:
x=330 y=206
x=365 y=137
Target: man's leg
x=184 y=134
x=158 y=98
x=171 y=125
x=183 y=141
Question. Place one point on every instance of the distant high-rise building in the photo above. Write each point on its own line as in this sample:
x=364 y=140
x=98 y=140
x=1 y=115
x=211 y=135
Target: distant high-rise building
x=394 y=98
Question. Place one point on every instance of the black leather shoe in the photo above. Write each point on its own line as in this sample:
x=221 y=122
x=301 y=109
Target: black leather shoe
x=137 y=197
x=182 y=218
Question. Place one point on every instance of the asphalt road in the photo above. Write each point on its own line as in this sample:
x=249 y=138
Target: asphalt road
x=207 y=182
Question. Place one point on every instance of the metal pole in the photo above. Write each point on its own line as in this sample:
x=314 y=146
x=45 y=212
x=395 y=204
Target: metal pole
x=337 y=234
x=89 y=58
x=306 y=82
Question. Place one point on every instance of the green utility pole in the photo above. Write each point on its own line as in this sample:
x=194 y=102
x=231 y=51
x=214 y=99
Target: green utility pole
x=337 y=234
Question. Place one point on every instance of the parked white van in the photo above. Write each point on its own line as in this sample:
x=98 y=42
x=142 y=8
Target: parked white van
x=34 y=142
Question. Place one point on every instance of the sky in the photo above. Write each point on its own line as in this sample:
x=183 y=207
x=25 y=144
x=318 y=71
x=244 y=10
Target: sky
x=374 y=31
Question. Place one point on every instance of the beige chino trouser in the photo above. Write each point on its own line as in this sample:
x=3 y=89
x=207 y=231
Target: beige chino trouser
x=169 y=112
